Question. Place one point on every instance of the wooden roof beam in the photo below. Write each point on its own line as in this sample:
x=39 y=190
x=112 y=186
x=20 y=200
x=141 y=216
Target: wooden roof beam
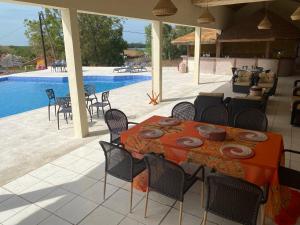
x=203 y=3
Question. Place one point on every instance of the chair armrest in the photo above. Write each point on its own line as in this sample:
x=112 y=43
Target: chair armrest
x=132 y=123
x=297 y=83
x=291 y=151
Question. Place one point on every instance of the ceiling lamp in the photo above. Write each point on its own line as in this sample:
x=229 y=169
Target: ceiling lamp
x=296 y=14
x=164 y=8
x=206 y=16
x=265 y=24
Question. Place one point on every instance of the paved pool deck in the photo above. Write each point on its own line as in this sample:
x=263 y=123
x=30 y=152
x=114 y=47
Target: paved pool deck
x=48 y=177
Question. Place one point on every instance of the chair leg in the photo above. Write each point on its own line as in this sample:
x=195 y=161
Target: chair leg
x=104 y=186
x=97 y=112
x=103 y=110
x=202 y=194
x=49 y=112
x=180 y=213
x=58 y=121
x=146 y=203
x=204 y=218
x=262 y=214
x=131 y=193
x=55 y=109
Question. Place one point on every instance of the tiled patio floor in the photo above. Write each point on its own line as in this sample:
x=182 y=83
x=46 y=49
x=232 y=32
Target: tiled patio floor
x=68 y=190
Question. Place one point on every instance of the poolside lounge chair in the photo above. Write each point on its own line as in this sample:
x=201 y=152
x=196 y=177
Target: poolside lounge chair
x=123 y=69
x=242 y=82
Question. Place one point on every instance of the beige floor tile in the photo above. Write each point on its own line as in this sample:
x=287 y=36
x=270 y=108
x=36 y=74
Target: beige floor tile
x=55 y=200
x=95 y=192
x=96 y=172
x=32 y=215
x=63 y=176
x=45 y=171
x=12 y=206
x=120 y=201
x=5 y=194
x=80 y=165
x=156 y=212
x=130 y=221
x=54 y=220
x=37 y=191
x=21 y=184
x=79 y=184
x=106 y=216
x=192 y=204
x=115 y=181
x=76 y=210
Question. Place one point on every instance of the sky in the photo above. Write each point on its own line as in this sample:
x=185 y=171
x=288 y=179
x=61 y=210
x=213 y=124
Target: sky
x=12 y=28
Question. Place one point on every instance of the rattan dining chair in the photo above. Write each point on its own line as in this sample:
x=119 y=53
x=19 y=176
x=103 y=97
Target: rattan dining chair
x=169 y=179
x=52 y=101
x=216 y=114
x=184 y=111
x=234 y=199
x=117 y=122
x=287 y=176
x=120 y=164
x=251 y=119
x=104 y=103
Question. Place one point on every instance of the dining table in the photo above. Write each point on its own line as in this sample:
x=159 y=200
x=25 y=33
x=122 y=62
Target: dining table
x=260 y=168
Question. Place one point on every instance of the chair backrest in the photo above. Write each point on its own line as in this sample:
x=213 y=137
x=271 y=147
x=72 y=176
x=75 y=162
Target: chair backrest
x=233 y=199
x=184 y=111
x=50 y=94
x=63 y=102
x=234 y=70
x=105 y=96
x=118 y=161
x=251 y=119
x=236 y=105
x=165 y=177
x=216 y=114
x=204 y=101
x=117 y=122
x=90 y=89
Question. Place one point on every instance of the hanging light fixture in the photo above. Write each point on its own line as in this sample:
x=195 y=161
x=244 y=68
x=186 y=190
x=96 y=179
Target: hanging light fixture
x=265 y=24
x=164 y=8
x=206 y=16
x=296 y=14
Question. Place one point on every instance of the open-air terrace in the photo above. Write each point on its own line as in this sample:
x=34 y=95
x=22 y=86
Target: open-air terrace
x=213 y=140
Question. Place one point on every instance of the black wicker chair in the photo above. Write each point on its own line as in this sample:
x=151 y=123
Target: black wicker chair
x=251 y=119
x=169 y=179
x=64 y=107
x=117 y=122
x=216 y=114
x=287 y=176
x=104 y=103
x=236 y=105
x=184 y=111
x=52 y=101
x=234 y=199
x=205 y=100
x=120 y=163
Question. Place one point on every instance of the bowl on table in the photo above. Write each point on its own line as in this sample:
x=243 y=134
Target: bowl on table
x=212 y=132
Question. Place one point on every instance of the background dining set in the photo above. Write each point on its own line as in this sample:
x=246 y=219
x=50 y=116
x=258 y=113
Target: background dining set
x=62 y=105
x=227 y=196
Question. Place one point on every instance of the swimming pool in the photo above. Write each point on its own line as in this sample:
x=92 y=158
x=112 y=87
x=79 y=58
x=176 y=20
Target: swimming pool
x=21 y=94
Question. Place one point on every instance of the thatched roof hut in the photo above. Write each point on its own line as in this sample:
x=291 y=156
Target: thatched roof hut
x=246 y=30
x=208 y=36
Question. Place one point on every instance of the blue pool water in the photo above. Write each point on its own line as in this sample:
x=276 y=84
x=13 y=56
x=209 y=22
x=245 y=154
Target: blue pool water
x=21 y=94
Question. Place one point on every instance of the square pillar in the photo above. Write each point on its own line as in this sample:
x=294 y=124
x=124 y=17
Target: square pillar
x=156 y=58
x=74 y=65
x=197 y=55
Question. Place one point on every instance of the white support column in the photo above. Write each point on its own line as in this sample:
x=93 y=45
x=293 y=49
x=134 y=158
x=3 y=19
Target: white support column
x=73 y=57
x=156 y=58
x=197 y=55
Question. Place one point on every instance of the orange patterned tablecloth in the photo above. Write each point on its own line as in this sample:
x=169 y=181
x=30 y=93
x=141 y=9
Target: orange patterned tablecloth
x=260 y=170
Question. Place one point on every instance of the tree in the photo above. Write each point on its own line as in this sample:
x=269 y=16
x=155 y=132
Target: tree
x=100 y=37
x=101 y=40
x=170 y=33
x=54 y=42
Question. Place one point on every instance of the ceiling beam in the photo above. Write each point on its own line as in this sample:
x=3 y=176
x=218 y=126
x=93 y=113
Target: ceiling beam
x=203 y=3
